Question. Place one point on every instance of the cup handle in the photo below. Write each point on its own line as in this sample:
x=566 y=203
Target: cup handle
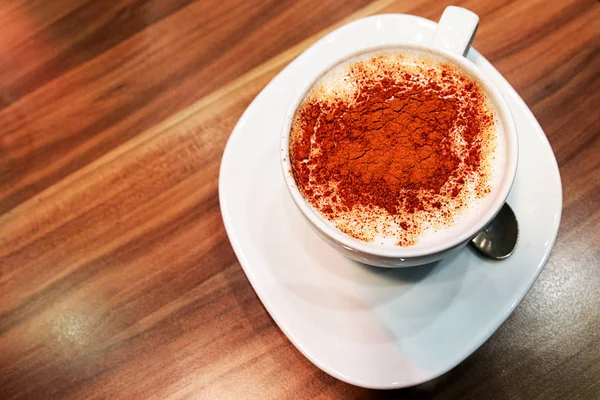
x=456 y=30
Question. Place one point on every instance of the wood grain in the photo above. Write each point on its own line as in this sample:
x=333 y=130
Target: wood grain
x=117 y=279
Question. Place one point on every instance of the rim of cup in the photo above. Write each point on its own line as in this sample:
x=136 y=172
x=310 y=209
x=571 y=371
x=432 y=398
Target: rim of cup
x=499 y=193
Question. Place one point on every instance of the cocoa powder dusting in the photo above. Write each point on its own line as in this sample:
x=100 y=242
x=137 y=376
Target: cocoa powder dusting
x=402 y=154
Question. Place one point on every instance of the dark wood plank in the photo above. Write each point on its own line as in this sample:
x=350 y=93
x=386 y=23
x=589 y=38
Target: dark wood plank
x=116 y=277
x=74 y=38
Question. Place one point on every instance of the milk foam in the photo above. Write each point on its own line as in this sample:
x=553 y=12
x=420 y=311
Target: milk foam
x=340 y=83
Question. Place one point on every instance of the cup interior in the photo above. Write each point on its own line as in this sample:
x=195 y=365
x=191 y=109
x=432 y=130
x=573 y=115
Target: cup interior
x=495 y=199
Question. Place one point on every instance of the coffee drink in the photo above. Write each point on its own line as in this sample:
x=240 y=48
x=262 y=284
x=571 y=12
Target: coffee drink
x=397 y=147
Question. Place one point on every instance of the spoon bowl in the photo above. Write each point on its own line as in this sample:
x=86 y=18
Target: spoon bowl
x=499 y=239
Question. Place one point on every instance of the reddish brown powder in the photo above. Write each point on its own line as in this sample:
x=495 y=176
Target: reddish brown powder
x=392 y=147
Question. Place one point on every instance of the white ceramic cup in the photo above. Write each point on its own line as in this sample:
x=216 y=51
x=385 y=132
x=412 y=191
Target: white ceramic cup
x=451 y=41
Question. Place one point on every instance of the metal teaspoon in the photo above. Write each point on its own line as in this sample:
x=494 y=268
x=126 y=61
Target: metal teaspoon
x=499 y=239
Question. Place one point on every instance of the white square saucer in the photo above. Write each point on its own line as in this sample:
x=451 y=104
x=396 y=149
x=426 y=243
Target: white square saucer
x=376 y=328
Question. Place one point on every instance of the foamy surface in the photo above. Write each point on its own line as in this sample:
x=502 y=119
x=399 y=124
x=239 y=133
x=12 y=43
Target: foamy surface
x=377 y=225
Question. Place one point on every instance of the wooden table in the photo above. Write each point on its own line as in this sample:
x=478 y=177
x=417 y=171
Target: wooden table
x=117 y=279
